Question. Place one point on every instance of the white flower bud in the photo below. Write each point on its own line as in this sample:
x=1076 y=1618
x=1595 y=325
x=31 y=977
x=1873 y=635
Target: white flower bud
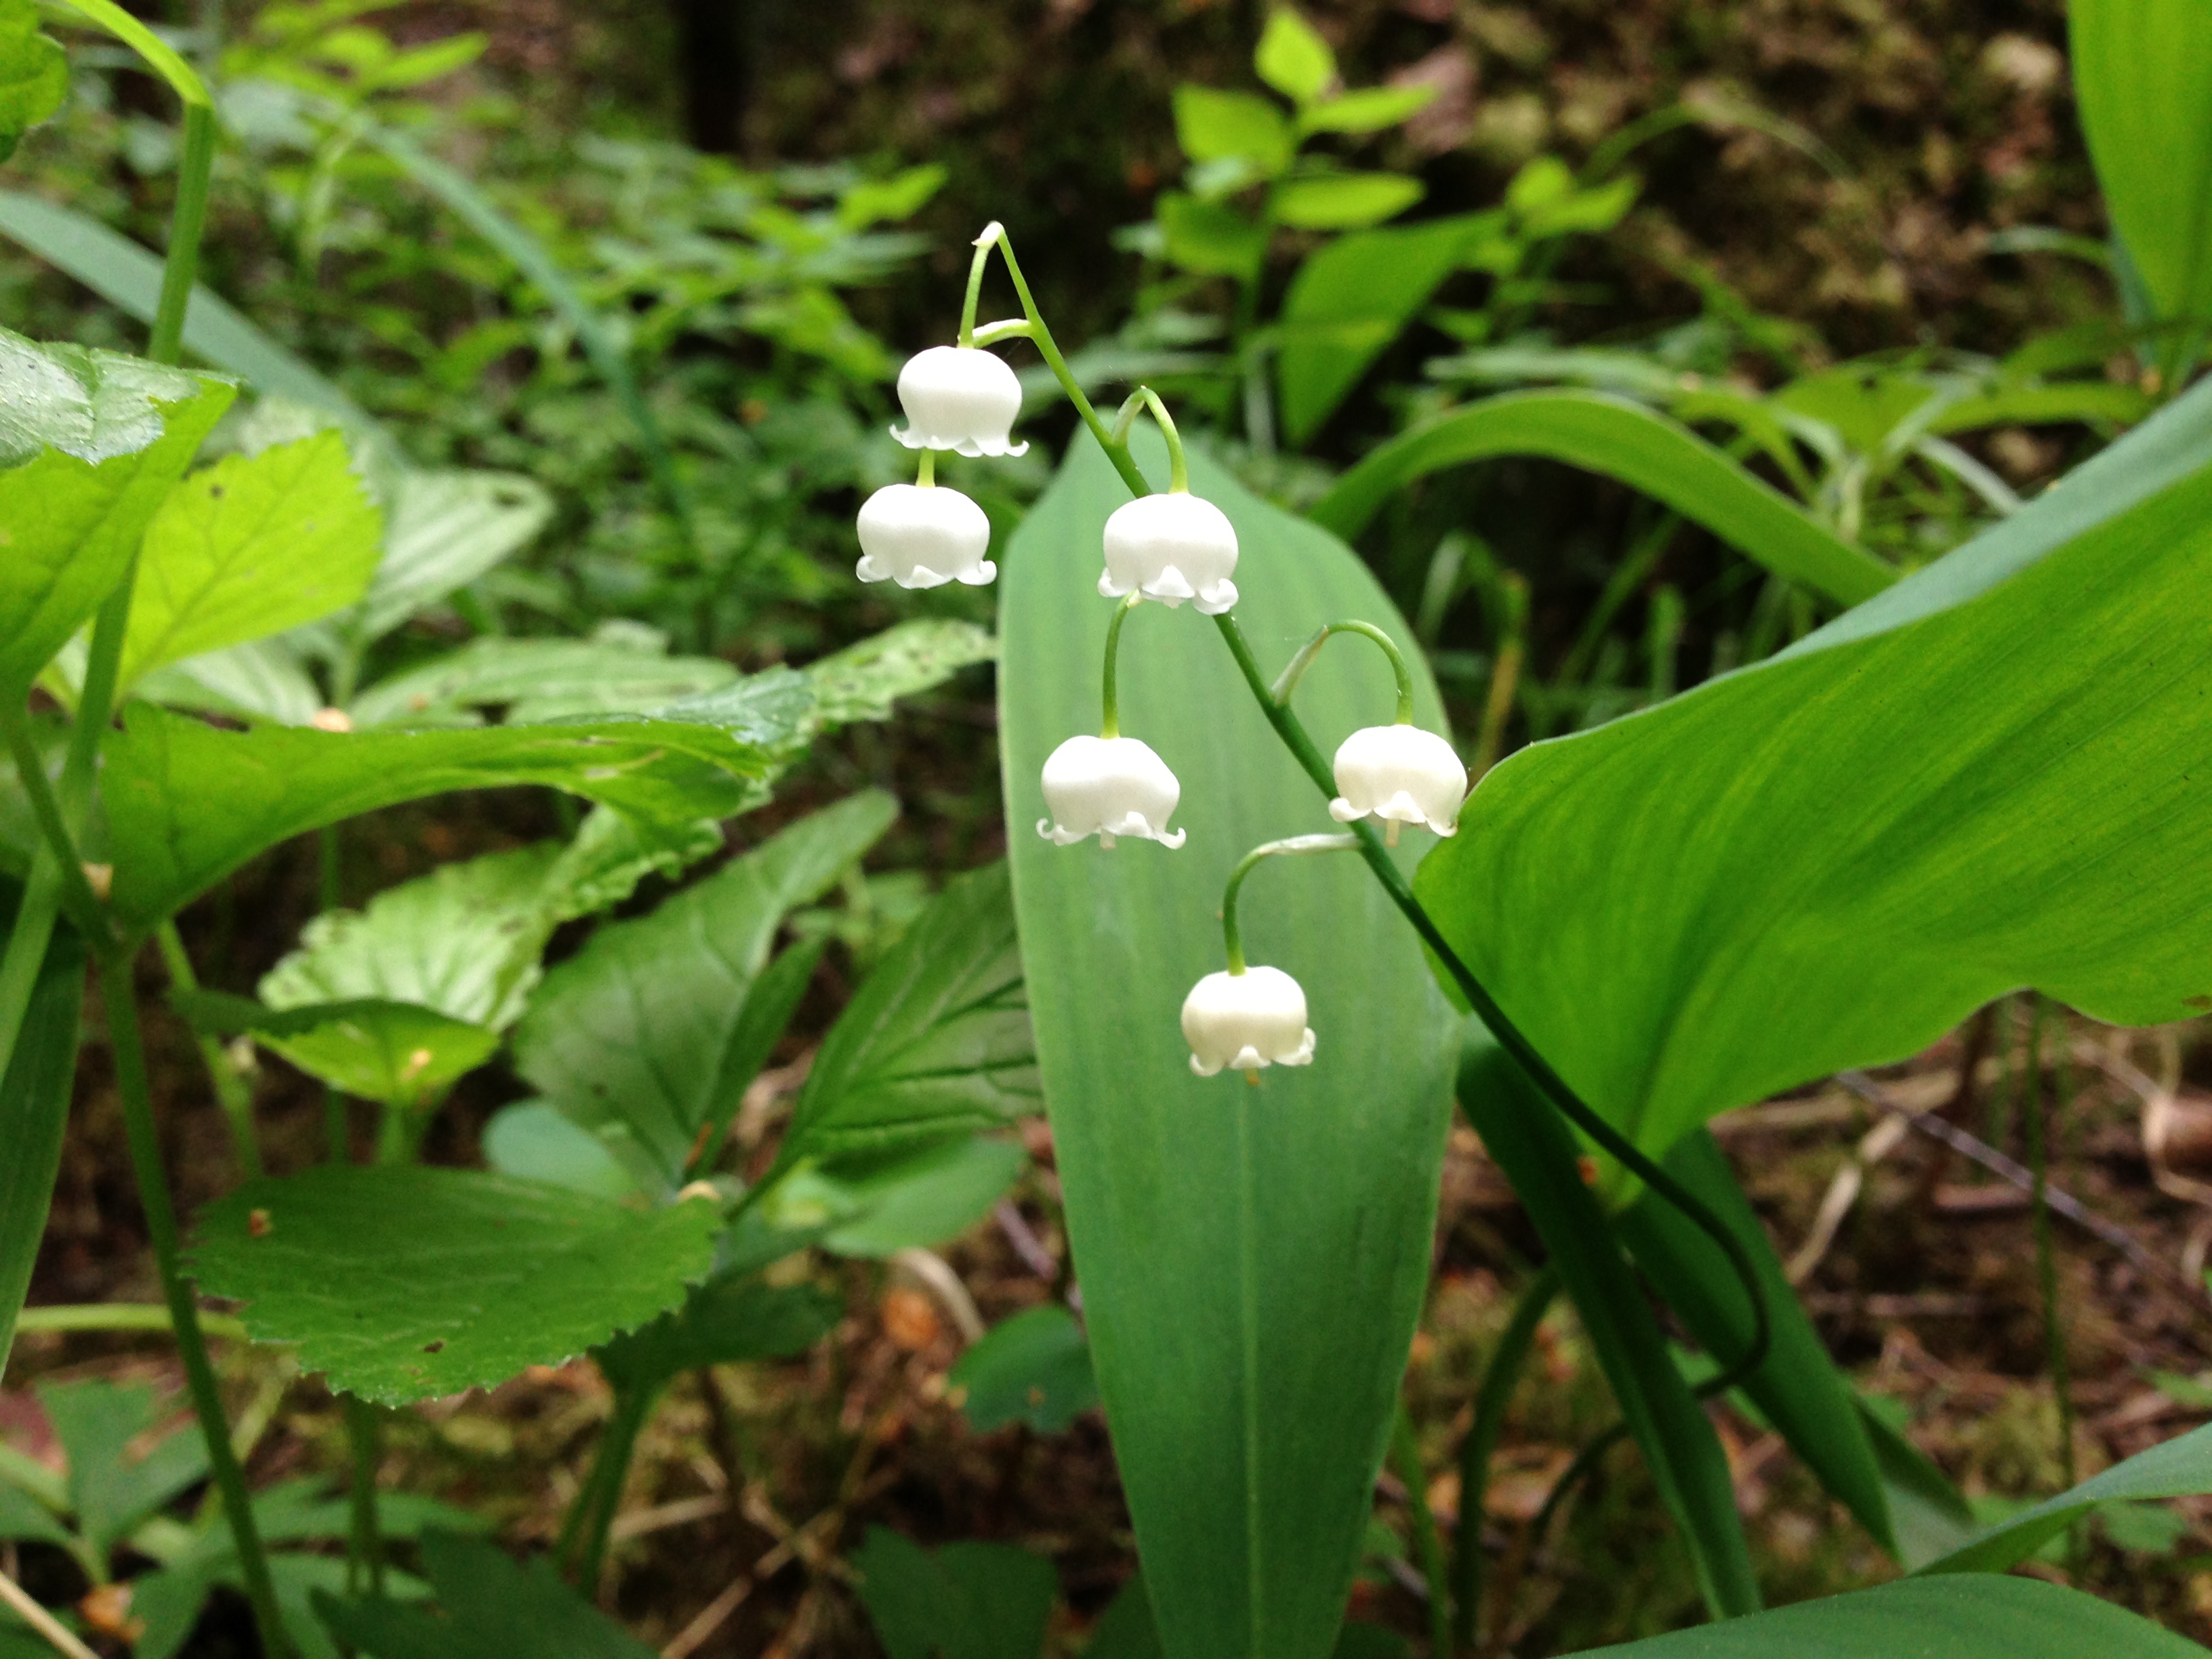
x=1400 y=773
x=1171 y=548
x=1109 y=787
x=923 y=536
x=959 y=398
x=1245 y=1021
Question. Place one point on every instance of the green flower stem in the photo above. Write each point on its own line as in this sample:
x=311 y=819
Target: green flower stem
x=1287 y=681
x=118 y=995
x=231 y=1091
x=1145 y=398
x=124 y=1317
x=1295 y=738
x=1231 y=939
x=1048 y=349
x=1014 y=328
x=364 y=1536
x=1495 y=1393
x=994 y=234
x=337 y=1127
x=186 y=222
x=1109 y=719
x=76 y=894
x=926 y=476
x=1406 y=1455
x=592 y=1518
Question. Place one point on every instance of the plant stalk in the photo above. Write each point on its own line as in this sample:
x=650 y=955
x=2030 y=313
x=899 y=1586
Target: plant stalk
x=118 y=995
x=1491 y=1398
x=233 y=1092
x=1405 y=1454
x=592 y=1518
x=364 y=1536
x=2046 y=1260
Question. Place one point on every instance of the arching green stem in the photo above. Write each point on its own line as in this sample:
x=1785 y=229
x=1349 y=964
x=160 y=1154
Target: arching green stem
x=1287 y=681
x=1110 y=716
x=1231 y=939
x=1014 y=328
x=1145 y=398
x=994 y=234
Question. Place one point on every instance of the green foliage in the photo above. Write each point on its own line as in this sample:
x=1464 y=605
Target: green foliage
x=708 y=756
x=936 y=1043
x=652 y=1031
x=1977 y=1618
x=404 y=1283
x=963 y=1602
x=251 y=546
x=2000 y=726
x=400 y=1054
x=34 y=1097
x=92 y=443
x=1033 y=1368
x=115 y=1484
x=862 y=682
x=732 y=1317
x=1293 y=59
x=1221 y=1228
x=2142 y=75
x=882 y=1205
x=2178 y=1468
x=33 y=74
x=488 y=1608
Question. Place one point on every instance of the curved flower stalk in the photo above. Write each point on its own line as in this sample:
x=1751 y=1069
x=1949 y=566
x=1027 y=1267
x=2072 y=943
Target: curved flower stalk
x=1248 y=1018
x=924 y=535
x=1109 y=785
x=1173 y=546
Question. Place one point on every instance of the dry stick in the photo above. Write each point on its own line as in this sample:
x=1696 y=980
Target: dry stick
x=42 y=1621
x=2005 y=1168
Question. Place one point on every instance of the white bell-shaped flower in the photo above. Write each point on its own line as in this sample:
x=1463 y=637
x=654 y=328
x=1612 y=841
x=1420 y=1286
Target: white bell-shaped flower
x=923 y=536
x=1401 y=774
x=959 y=398
x=1109 y=787
x=1244 y=1021
x=1171 y=548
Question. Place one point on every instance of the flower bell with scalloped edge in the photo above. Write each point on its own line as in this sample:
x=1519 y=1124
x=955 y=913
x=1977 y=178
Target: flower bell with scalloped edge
x=923 y=536
x=1241 y=1022
x=1171 y=548
x=1401 y=774
x=959 y=398
x=1108 y=787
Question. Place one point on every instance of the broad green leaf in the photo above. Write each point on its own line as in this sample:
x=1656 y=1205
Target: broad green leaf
x=937 y=1043
x=612 y=853
x=168 y=1602
x=533 y=1141
x=34 y=1100
x=963 y=1602
x=732 y=1318
x=1533 y=1145
x=1293 y=59
x=24 y=1519
x=1624 y=441
x=398 y=1052
x=1126 y=1630
x=1983 y=779
x=1033 y=1368
x=463 y=941
x=33 y=74
x=2178 y=1468
x=1863 y=403
x=644 y=1035
x=920 y=1199
x=539 y=680
x=2142 y=76
x=263 y=680
x=120 y=1472
x=444 y=531
x=1265 y=1249
x=1977 y=1618
x=1232 y=126
x=1370 y=109
x=492 y=1608
x=1798 y=1389
x=1208 y=239
x=187 y=803
x=128 y=277
x=249 y=547
x=403 y=1283
x=1344 y=201
x=92 y=443
x=1344 y=307
x=861 y=682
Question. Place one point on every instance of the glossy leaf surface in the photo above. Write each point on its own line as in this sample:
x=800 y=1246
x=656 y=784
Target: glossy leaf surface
x=251 y=546
x=187 y=803
x=403 y=1283
x=1252 y=1259
x=91 y=443
x=1965 y=1618
x=644 y=1035
x=1988 y=777
x=1625 y=440
x=935 y=1042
